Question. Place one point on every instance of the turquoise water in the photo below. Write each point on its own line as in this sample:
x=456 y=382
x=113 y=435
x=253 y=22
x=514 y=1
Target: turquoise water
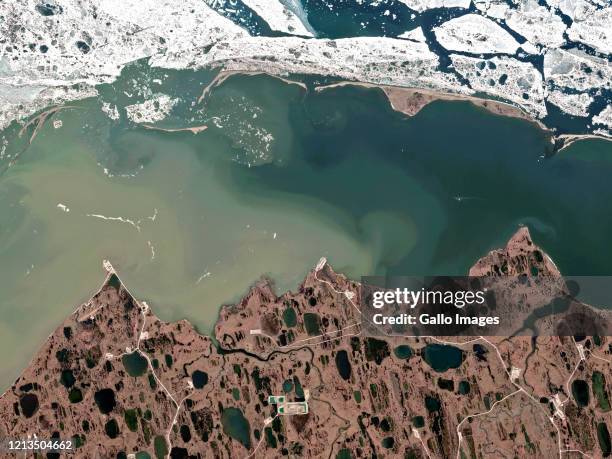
x=280 y=178
x=236 y=426
x=403 y=351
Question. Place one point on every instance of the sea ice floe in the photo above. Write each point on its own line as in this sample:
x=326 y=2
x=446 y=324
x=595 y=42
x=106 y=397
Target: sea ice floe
x=85 y=43
x=492 y=8
x=577 y=70
x=502 y=76
x=475 y=34
x=604 y=117
x=369 y=59
x=594 y=29
x=574 y=104
x=536 y=23
x=533 y=20
x=152 y=110
x=423 y=5
x=568 y=7
x=414 y=35
x=278 y=16
x=110 y=110
x=21 y=99
x=77 y=44
x=591 y=22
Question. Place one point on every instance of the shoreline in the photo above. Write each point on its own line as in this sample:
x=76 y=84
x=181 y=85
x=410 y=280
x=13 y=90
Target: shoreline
x=407 y=100
x=410 y=101
x=564 y=141
x=223 y=75
x=192 y=129
x=403 y=99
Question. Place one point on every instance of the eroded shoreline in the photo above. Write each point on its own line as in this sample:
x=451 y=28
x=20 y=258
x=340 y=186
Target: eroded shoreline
x=410 y=101
x=112 y=360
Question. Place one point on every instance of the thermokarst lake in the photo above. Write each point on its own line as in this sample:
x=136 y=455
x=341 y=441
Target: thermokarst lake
x=281 y=177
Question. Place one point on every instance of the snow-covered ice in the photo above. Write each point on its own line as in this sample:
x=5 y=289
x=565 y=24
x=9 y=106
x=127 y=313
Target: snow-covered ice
x=493 y=8
x=475 y=34
x=536 y=23
x=89 y=42
x=278 y=16
x=414 y=35
x=60 y=50
x=604 y=117
x=519 y=82
x=422 y=5
x=151 y=110
x=368 y=59
x=110 y=110
x=575 y=69
x=574 y=104
x=594 y=29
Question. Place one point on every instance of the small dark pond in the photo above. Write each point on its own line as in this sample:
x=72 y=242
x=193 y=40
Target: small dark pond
x=580 y=391
x=343 y=364
x=135 y=364
x=199 y=379
x=441 y=357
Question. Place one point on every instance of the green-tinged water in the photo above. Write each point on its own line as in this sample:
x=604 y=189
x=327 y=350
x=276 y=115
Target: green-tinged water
x=236 y=426
x=135 y=364
x=442 y=357
x=280 y=178
x=403 y=351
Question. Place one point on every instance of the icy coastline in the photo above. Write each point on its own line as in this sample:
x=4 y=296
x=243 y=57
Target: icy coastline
x=60 y=50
